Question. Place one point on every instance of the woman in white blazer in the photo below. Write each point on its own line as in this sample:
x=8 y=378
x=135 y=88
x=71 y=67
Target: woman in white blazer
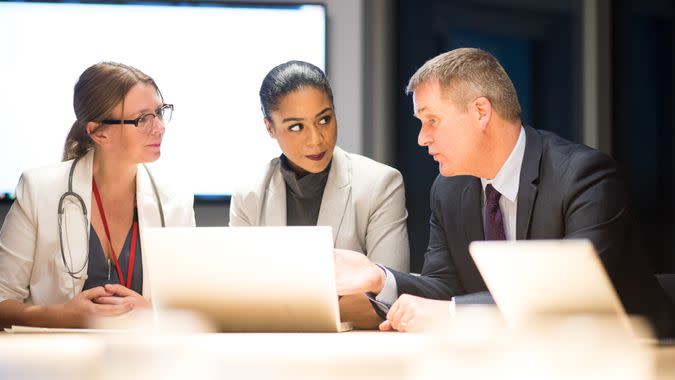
x=70 y=246
x=362 y=200
x=314 y=182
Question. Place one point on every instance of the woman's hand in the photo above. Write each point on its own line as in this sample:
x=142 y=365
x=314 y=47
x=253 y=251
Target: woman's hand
x=119 y=295
x=85 y=306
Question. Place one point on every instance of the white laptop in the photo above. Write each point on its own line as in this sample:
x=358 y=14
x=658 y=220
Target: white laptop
x=253 y=279
x=534 y=278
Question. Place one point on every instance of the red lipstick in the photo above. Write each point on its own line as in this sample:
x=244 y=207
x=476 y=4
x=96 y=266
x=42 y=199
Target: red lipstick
x=316 y=157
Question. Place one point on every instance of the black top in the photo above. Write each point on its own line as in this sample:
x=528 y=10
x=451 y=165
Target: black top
x=99 y=268
x=303 y=194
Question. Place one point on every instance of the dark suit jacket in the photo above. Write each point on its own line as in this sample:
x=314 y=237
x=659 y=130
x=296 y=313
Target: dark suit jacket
x=566 y=190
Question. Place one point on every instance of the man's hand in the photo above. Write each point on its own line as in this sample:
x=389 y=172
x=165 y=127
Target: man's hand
x=411 y=313
x=355 y=273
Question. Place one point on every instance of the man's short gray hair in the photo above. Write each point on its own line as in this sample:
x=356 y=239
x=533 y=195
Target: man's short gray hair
x=468 y=73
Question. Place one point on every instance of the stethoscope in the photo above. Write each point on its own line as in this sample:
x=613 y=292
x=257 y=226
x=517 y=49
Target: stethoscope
x=83 y=206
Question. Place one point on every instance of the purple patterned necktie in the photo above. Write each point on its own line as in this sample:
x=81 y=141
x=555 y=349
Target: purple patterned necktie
x=494 y=222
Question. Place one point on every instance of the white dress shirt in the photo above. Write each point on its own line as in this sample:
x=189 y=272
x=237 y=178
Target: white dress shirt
x=506 y=183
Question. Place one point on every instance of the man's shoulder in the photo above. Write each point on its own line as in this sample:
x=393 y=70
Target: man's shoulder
x=565 y=157
x=444 y=187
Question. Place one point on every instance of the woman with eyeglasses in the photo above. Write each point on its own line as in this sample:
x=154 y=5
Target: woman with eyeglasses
x=71 y=244
x=314 y=182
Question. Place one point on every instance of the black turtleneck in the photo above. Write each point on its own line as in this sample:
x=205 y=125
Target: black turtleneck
x=303 y=194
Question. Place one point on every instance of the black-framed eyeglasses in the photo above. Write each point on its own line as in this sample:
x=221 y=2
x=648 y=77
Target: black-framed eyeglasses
x=145 y=121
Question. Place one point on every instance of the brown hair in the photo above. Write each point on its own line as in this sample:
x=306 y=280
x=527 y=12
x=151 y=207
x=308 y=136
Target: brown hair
x=468 y=73
x=99 y=90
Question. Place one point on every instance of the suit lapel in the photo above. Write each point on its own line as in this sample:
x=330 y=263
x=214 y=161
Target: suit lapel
x=529 y=180
x=75 y=227
x=273 y=209
x=336 y=194
x=471 y=211
x=146 y=204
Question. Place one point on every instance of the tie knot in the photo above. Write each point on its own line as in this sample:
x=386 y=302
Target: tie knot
x=492 y=195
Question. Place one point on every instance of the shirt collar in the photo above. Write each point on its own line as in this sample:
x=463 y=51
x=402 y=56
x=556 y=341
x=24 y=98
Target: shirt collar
x=508 y=177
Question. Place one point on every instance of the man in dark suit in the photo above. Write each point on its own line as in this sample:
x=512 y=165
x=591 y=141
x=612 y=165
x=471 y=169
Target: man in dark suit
x=500 y=180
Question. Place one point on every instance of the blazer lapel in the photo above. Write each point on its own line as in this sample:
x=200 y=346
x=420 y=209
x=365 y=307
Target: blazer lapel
x=273 y=207
x=529 y=180
x=148 y=216
x=336 y=194
x=75 y=228
x=146 y=202
x=471 y=211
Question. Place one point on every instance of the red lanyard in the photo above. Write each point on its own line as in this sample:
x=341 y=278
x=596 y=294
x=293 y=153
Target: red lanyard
x=134 y=234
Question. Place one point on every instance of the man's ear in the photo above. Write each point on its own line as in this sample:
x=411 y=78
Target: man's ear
x=482 y=108
x=270 y=127
x=98 y=135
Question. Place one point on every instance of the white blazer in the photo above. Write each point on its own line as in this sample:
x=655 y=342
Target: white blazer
x=31 y=265
x=364 y=202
